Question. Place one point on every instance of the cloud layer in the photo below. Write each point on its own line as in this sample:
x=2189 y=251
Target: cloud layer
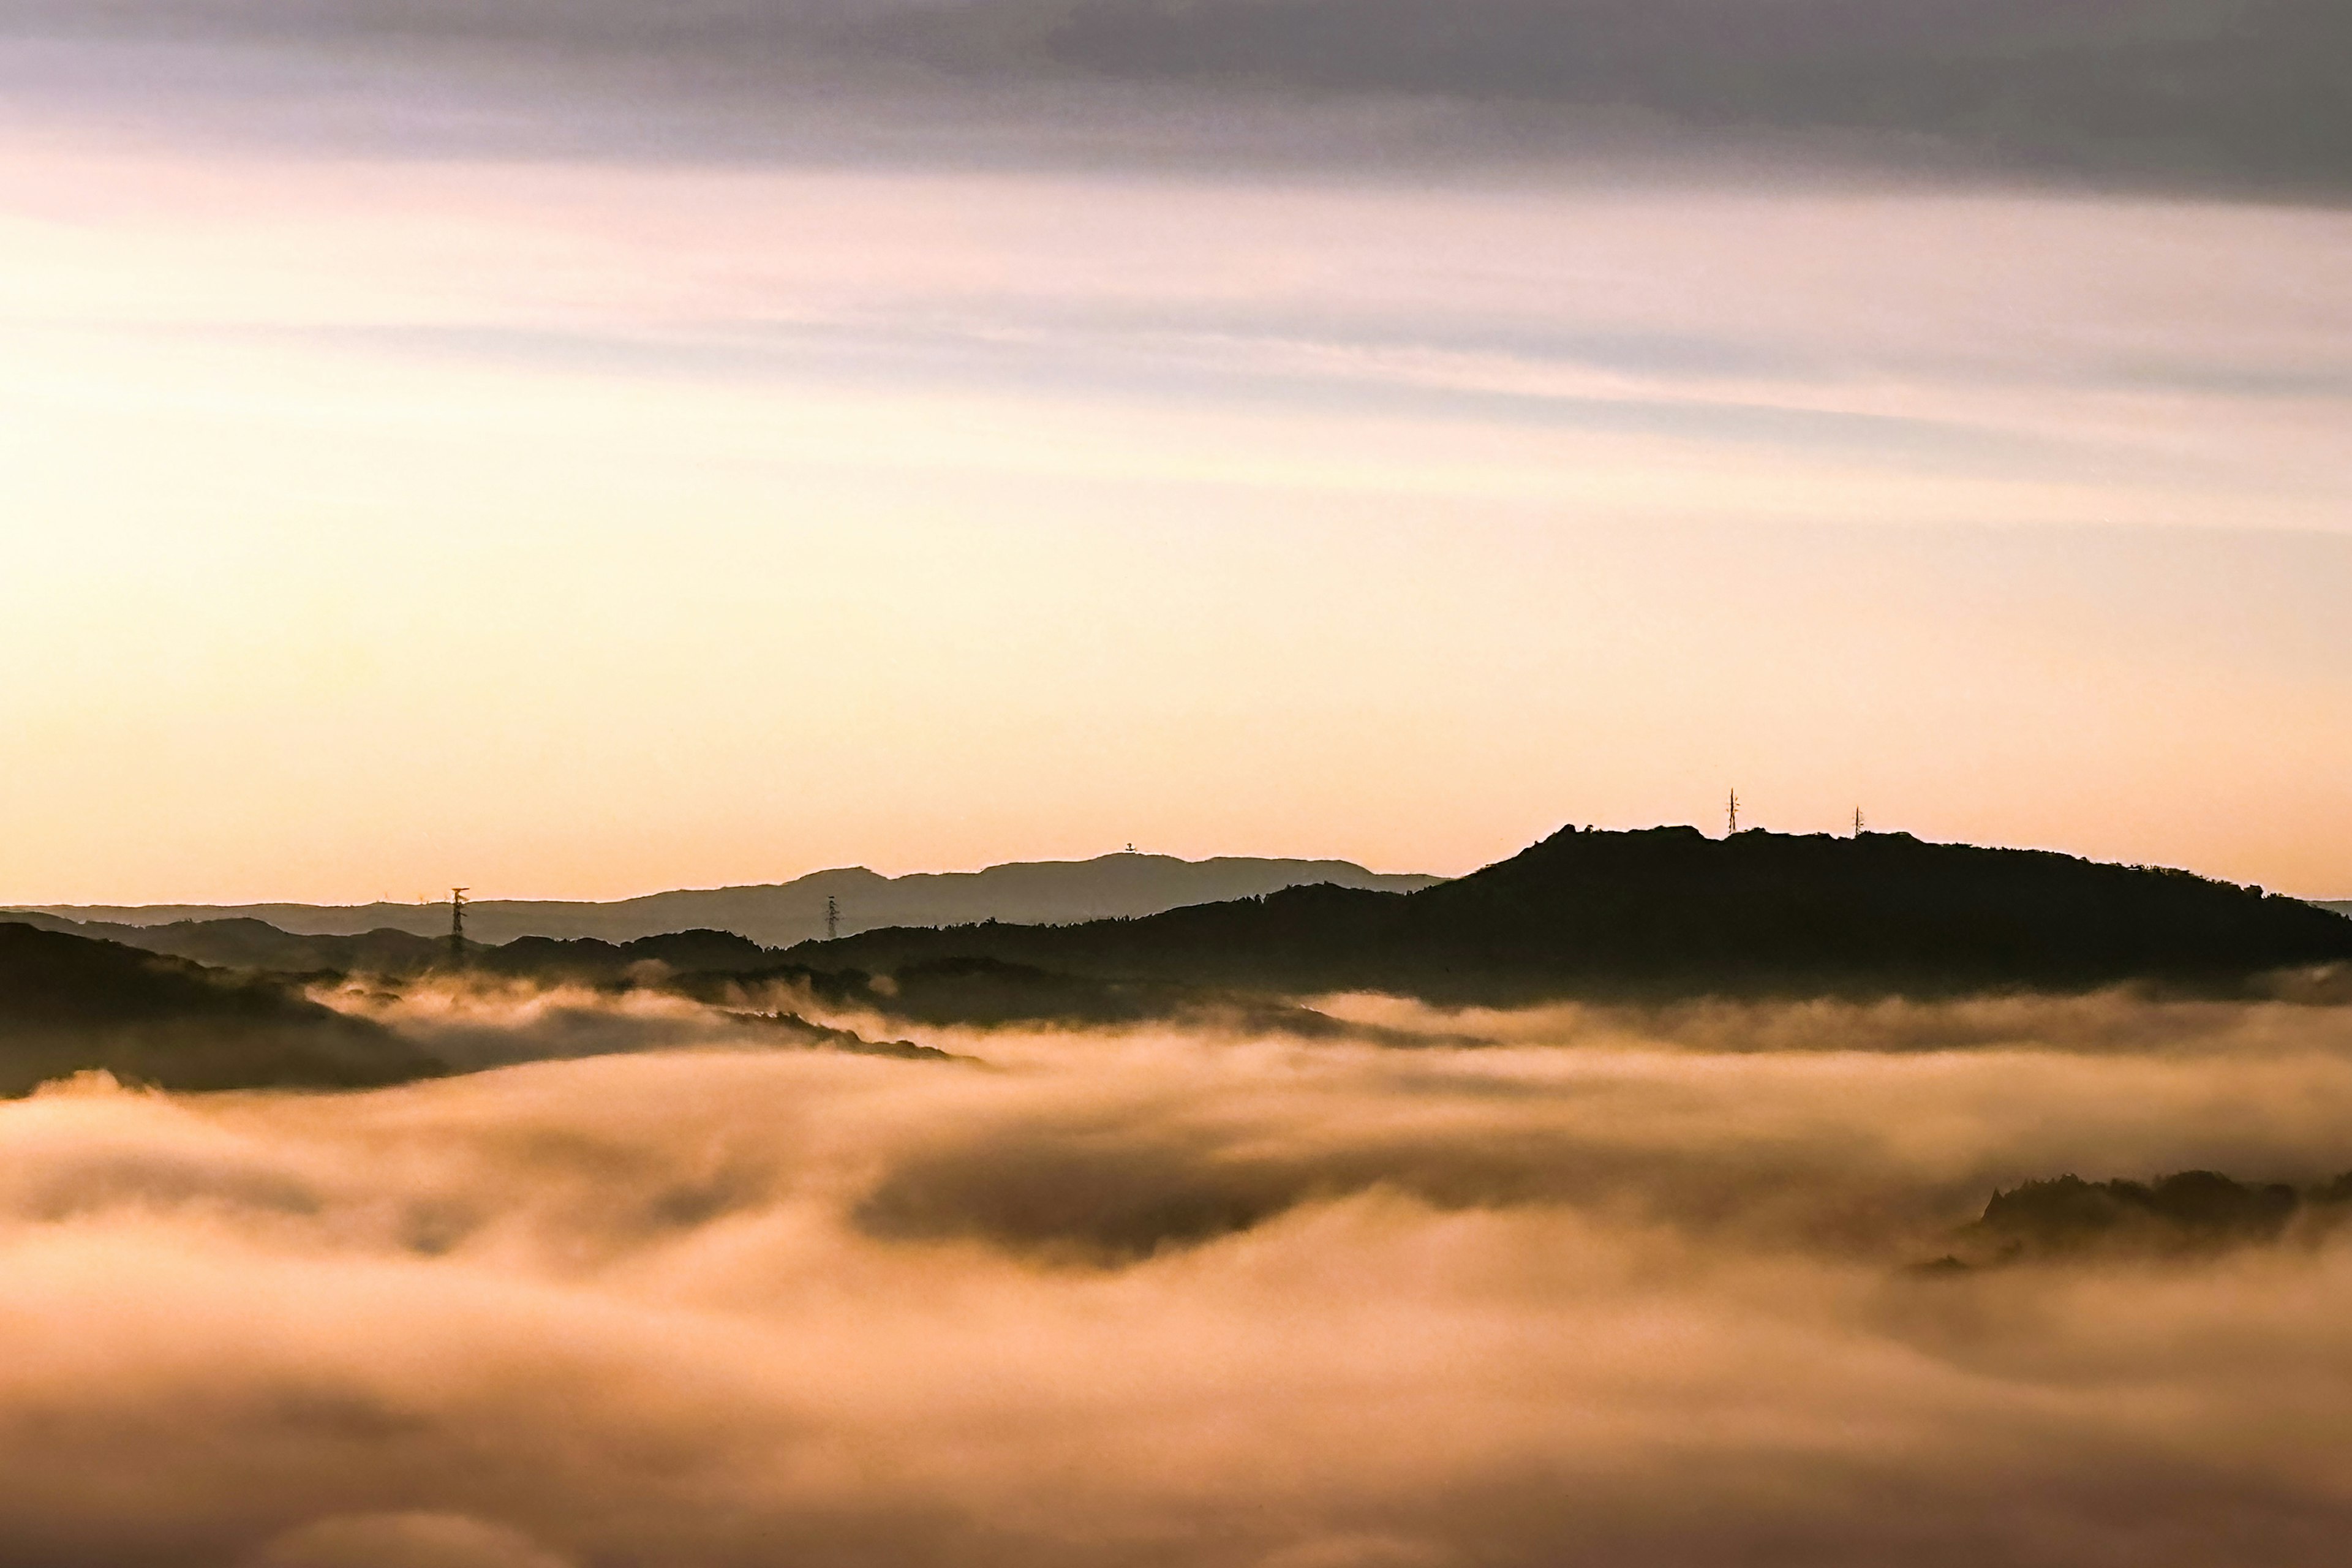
x=1155 y=1300
x=2203 y=94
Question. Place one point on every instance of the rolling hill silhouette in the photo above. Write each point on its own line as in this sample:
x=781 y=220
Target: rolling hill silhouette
x=1661 y=912
x=68 y=1004
x=252 y=945
x=244 y=942
x=1034 y=892
x=1670 y=910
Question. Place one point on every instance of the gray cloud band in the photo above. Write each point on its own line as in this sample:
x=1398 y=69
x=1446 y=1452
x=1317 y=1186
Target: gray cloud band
x=2198 y=94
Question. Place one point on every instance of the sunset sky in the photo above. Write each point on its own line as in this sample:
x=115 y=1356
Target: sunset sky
x=525 y=446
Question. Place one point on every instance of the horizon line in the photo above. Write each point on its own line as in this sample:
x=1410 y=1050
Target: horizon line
x=1129 y=850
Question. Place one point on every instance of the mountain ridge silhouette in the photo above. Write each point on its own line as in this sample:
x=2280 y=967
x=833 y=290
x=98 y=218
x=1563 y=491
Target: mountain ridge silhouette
x=1664 y=911
x=1672 y=909
x=781 y=913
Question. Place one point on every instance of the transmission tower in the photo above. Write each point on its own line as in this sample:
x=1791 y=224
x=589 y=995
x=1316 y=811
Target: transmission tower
x=1857 y=822
x=832 y=918
x=1731 y=814
x=457 y=925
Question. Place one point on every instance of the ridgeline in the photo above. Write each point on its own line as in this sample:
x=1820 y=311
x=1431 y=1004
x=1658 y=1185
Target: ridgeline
x=1668 y=911
x=776 y=914
x=1657 y=915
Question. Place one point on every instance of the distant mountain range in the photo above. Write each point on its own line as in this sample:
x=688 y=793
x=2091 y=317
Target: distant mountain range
x=2341 y=905
x=1035 y=892
x=1661 y=911
x=1663 y=914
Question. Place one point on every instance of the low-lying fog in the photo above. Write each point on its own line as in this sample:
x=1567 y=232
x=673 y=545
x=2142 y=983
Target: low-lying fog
x=1623 y=1288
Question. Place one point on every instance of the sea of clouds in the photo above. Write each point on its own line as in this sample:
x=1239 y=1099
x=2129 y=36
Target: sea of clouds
x=1623 y=1287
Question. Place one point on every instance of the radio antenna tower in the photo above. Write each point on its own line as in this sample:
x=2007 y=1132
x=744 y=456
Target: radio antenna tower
x=832 y=918
x=457 y=925
x=1731 y=814
x=1857 y=822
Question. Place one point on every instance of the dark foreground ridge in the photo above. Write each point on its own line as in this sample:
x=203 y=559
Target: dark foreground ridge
x=68 y=1004
x=1670 y=911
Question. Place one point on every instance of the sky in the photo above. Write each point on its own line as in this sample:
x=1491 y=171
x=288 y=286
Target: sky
x=579 y=449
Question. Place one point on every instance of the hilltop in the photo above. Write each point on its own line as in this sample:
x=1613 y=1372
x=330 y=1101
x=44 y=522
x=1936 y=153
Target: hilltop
x=68 y=1002
x=1670 y=910
x=1038 y=892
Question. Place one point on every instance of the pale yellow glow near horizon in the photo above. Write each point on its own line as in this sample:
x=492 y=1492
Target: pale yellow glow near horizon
x=583 y=530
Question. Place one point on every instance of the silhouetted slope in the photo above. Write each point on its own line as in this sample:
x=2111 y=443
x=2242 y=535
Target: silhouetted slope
x=246 y=944
x=2188 y=1213
x=255 y=945
x=2339 y=906
x=1670 y=909
x=68 y=1004
x=1038 y=892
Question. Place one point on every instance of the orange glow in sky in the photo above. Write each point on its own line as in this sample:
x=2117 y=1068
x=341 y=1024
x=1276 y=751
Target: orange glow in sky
x=580 y=528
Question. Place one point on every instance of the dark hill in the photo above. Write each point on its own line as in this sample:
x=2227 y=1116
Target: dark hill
x=252 y=945
x=243 y=942
x=1669 y=911
x=2188 y=1214
x=67 y=1004
x=587 y=959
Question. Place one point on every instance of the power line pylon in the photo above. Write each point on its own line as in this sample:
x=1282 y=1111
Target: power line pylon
x=1857 y=822
x=1731 y=815
x=832 y=918
x=457 y=925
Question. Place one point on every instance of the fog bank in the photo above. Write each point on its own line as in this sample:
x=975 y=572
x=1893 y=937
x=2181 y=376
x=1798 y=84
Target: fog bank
x=1613 y=1293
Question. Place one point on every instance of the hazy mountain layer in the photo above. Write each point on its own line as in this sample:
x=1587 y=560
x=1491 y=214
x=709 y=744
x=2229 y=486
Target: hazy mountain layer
x=1042 y=892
